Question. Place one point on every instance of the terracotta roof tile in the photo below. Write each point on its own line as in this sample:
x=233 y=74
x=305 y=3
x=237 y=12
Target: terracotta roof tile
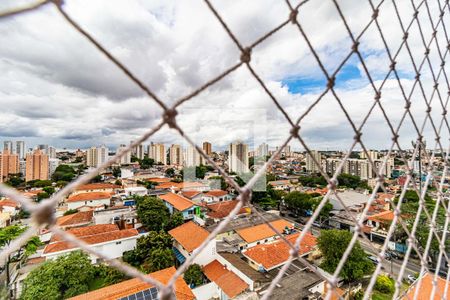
x=385 y=216
x=426 y=288
x=228 y=281
x=97 y=186
x=88 y=230
x=132 y=286
x=82 y=217
x=9 y=202
x=91 y=239
x=189 y=235
x=190 y=194
x=222 y=209
x=158 y=179
x=179 y=202
x=274 y=254
x=216 y=193
x=89 y=196
x=262 y=231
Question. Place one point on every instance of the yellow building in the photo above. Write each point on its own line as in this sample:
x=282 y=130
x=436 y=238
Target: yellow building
x=36 y=166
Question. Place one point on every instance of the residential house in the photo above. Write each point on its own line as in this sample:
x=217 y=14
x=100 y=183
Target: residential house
x=10 y=206
x=178 y=203
x=78 y=219
x=266 y=257
x=379 y=225
x=135 y=190
x=107 y=239
x=92 y=199
x=216 y=196
x=137 y=289
x=194 y=195
x=426 y=288
x=281 y=185
x=220 y=210
x=97 y=187
x=225 y=284
x=262 y=233
x=124 y=216
x=189 y=237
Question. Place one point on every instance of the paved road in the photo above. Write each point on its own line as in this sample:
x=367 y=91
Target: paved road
x=392 y=266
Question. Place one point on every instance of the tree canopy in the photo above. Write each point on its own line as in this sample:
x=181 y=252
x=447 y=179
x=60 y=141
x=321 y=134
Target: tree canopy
x=64 y=173
x=153 y=252
x=332 y=244
x=152 y=212
x=67 y=276
x=193 y=275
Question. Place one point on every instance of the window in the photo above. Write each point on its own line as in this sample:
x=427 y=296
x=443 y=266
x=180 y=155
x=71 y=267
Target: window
x=118 y=243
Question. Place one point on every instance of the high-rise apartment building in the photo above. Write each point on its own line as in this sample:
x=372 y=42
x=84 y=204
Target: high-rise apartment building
x=36 y=166
x=140 y=153
x=9 y=164
x=20 y=149
x=358 y=167
x=126 y=158
x=331 y=165
x=370 y=153
x=51 y=152
x=96 y=156
x=207 y=148
x=287 y=150
x=175 y=155
x=263 y=150
x=53 y=163
x=8 y=145
x=238 y=157
x=157 y=152
x=311 y=166
x=191 y=157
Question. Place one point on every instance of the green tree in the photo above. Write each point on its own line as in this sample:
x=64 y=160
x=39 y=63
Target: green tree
x=15 y=180
x=299 y=202
x=152 y=212
x=170 y=172
x=49 y=190
x=385 y=284
x=313 y=181
x=350 y=181
x=175 y=220
x=116 y=172
x=10 y=233
x=146 y=162
x=193 y=275
x=65 y=277
x=64 y=173
x=153 y=252
x=96 y=179
x=42 y=183
x=332 y=244
x=41 y=196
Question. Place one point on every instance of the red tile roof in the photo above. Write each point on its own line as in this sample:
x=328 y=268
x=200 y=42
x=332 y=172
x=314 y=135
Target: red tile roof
x=189 y=235
x=222 y=209
x=274 y=254
x=132 y=286
x=90 y=235
x=426 y=288
x=190 y=194
x=82 y=217
x=89 y=196
x=158 y=179
x=384 y=217
x=216 y=193
x=228 y=281
x=88 y=230
x=179 y=202
x=9 y=202
x=98 y=186
x=262 y=231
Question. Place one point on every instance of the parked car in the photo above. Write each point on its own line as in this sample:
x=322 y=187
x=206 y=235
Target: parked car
x=373 y=259
x=394 y=254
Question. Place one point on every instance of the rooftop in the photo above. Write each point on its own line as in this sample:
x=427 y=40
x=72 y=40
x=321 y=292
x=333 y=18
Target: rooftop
x=216 y=193
x=222 y=209
x=263 y=231
x=228 y=282
x=9 y=202
x=190 y=194
x=245 y=221
x=384 y=217
x=244 y=267
x=179 y=202
x=426 y=288
x=189 y=235
x=350 y=198
x=82 y=217
x=97 y=186
x=89 y=196
x=132 y=286
x=275 y=254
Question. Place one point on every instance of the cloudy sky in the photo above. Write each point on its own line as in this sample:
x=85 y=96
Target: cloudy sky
x=57 y=88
